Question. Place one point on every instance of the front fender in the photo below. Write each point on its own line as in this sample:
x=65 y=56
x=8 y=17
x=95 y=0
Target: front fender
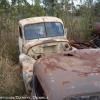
x=27 y=64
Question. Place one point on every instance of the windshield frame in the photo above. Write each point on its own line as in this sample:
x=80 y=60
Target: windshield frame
x=46 y=34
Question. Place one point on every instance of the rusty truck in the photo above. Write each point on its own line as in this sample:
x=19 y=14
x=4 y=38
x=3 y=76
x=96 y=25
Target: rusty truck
x=52 y=68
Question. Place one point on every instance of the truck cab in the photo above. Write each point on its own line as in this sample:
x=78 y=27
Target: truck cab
x=42 y=36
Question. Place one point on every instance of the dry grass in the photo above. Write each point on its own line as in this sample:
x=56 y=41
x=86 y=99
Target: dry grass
x=11 y=82
x=78 y=28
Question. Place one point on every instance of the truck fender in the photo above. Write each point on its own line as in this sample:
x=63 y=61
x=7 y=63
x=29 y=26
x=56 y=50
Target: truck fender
x=27 y=64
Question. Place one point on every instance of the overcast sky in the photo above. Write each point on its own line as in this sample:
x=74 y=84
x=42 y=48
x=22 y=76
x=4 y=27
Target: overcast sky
x=76 y=2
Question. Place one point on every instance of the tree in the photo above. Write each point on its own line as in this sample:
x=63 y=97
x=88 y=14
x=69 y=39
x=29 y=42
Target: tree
x=50 y=6
x=97 y=9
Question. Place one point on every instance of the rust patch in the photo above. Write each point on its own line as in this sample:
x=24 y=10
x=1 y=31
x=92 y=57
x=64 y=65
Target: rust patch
x=88 y=63
x=65 y=82
x=25 y=68
x=83 y=74
x=45 y=70
x=30 y=70
x=51 y=64
x=44 y=18
x=51 y=56
x=48 y=41
x=51 y=67
x=29 y=76
x=27 y=19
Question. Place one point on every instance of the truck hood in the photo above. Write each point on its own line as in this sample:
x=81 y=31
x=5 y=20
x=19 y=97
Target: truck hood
x=69 y=73
x=34 y=42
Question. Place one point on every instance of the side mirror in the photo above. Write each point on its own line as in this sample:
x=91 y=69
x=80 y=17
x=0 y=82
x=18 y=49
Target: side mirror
x=65 y=32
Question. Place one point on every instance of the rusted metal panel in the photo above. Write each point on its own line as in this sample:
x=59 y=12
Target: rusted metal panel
x=27 y=69
x=36 y=42
x=82 y=44
x=44 y=40
x=33 y=20
x=69 y=73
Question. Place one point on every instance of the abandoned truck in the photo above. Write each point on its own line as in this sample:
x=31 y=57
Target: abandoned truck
x=52 y=69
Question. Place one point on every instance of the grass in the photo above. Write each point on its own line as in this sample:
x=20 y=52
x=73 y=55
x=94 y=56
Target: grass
x=11 y=82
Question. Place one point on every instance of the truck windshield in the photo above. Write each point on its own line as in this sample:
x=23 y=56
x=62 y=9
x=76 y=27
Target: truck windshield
x=43 y=30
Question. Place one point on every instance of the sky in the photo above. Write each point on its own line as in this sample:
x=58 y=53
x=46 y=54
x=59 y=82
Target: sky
x=30 y=1
x=76 y=2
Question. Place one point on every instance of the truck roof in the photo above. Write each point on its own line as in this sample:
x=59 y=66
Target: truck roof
x=32 y=20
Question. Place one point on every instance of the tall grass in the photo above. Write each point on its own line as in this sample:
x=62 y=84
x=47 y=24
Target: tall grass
x=11 y=81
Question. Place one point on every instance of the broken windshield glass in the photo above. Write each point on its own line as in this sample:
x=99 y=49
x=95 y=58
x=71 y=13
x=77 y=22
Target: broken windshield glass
x=34 y=31
x=42 y=30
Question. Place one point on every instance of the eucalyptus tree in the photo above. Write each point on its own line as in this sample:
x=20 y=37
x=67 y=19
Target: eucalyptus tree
x=97 y=9
x=50 y=6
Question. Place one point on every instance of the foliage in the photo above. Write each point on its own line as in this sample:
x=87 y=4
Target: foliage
x=97 y=10
x=77 y=19
x=50 y=6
